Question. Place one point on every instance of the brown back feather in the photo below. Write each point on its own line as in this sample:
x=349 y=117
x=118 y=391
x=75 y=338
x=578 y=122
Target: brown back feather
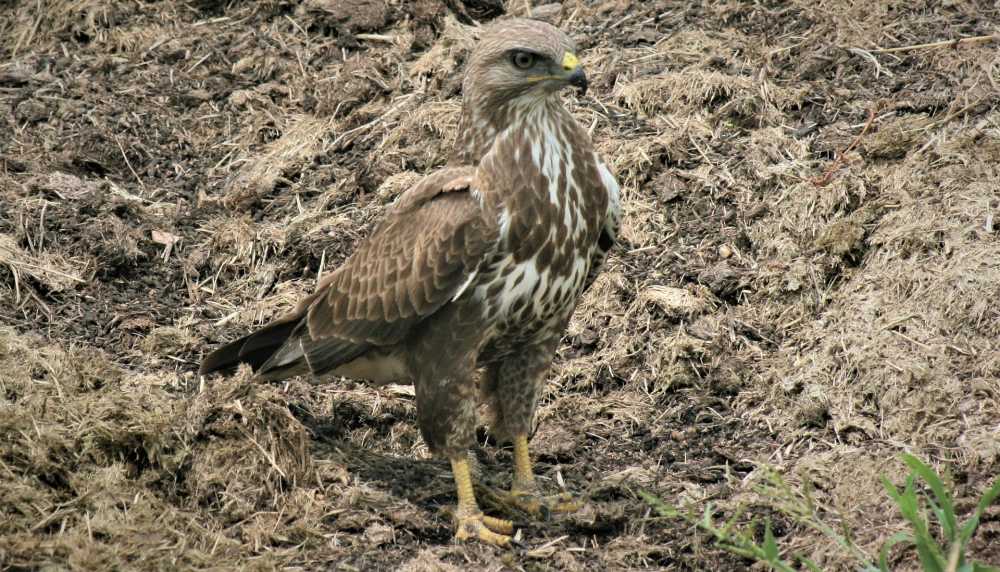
x=418 y=258
x=415 y=262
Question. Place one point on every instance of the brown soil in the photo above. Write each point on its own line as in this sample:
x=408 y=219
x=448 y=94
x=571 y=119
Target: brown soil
x=809 y=280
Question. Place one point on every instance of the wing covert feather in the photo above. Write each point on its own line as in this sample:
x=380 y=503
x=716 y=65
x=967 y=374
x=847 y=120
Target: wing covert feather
x=417 y=259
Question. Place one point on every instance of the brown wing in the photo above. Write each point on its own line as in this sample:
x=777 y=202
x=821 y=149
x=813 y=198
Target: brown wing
x=415 y=262
x=421 y=255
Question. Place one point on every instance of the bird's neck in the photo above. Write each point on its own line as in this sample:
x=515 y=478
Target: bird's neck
x=540 y=151
x=482 y=121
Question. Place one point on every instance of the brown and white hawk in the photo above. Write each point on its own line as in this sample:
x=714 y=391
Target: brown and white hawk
x=477 y=267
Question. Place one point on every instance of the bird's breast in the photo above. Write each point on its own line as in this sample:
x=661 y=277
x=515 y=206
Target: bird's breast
x=551 y=204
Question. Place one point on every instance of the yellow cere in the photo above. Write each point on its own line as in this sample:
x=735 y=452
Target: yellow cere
x=570 y=62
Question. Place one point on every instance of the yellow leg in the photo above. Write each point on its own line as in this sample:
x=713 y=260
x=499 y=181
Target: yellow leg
x=522 y=491
x=524 y=476
x=472 y=523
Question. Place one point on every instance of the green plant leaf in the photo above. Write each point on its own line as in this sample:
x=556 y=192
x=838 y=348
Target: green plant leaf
x=984 y=502
x=770 y=545
x=812 y=567
x=706 y=519
x=907 y=502
x=930 y=555
x=661 y=508
x=883 y=555
x=890 y=489
x=732 y=522
x=943 y=498
x=939 y=514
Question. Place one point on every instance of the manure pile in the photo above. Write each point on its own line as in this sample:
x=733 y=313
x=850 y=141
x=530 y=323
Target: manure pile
x=808 y=281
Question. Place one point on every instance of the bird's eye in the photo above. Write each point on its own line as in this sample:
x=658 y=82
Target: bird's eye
x=523 y=60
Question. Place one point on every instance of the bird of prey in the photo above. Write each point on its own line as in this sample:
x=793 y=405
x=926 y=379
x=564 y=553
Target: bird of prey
x=475 y=270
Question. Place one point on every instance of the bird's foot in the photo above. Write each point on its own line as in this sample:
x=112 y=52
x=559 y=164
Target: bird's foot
x=541 y=507
x=477 y=526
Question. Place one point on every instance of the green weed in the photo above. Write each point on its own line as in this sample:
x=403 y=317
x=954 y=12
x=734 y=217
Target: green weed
x=948 y=555
x=934 y=557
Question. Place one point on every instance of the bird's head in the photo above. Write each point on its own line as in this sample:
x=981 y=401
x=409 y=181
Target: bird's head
x=520 y=57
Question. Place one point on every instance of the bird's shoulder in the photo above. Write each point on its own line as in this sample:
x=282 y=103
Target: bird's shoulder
x=420 y=256
x=453 y=179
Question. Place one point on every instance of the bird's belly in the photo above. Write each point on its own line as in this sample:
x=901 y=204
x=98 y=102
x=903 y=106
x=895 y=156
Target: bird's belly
x=379 y=367
x=526 y=302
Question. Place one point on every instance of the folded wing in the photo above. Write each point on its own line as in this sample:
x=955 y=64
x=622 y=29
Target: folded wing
x=420 y=257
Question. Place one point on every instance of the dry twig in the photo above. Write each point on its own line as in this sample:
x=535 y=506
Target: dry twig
x=943 y=44
x=824 y=179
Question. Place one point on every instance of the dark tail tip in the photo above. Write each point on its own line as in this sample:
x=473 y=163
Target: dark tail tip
x=225 y=358
x=253 y=350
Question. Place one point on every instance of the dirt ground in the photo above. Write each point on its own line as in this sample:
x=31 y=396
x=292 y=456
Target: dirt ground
x=809 y=279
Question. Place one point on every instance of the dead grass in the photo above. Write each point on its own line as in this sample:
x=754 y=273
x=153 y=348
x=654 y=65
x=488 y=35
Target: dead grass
x=300 y=141
x=808 y=280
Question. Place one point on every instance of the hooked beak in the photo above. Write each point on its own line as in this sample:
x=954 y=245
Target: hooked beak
x=574 y=73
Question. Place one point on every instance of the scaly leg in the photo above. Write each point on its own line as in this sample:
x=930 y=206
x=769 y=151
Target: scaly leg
x=472 y=523
x=523 y=492
x=512 y=388
x=524 y=475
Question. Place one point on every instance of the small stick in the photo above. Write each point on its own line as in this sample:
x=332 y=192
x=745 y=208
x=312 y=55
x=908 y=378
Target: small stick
x=542 y=550
x=911 y=340
x=129 y=163
x=376 y=37
x=839 y=161
x=942 y=44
